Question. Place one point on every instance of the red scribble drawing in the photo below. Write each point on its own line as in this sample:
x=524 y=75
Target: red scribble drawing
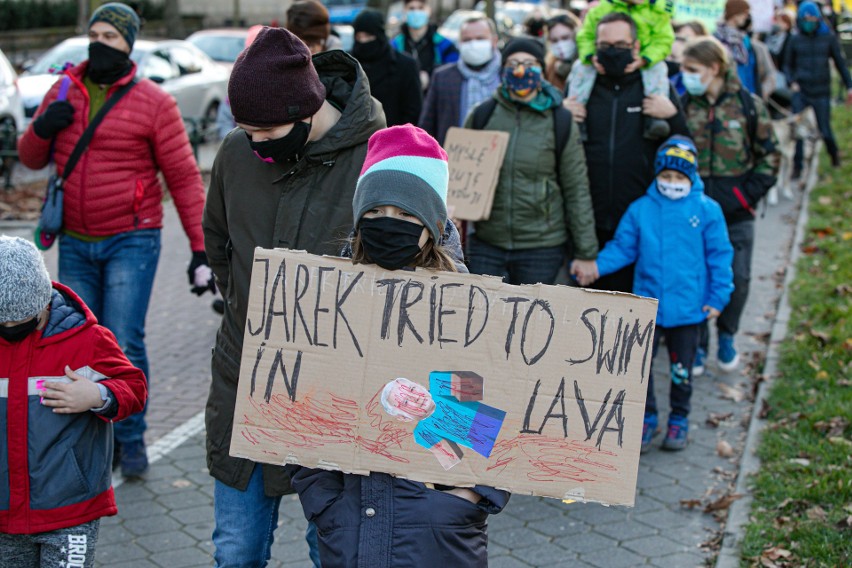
x=554 y=459
x=325 y=420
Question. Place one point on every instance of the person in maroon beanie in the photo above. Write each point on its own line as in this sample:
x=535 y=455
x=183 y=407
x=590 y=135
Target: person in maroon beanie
x=284 y=178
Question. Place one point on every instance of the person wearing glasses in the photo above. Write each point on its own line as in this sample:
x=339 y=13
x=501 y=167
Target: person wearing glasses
x=539 y=203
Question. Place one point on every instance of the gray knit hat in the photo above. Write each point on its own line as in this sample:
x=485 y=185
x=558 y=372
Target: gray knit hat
x=25 y=287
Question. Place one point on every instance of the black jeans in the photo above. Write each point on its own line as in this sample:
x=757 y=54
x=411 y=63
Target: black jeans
x=741 y=234
x=528 y=266
x=681 y=343
x=822 y=109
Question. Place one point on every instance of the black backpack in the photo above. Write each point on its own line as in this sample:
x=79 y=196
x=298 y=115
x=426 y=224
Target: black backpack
x=562 y=120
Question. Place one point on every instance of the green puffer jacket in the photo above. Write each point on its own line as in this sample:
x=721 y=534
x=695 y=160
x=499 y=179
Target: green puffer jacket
x=530 y=209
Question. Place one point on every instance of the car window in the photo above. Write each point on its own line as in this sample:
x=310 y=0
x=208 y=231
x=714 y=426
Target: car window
x=186 y=61
x=220 y=48
x=57 y=57
x=158 y=65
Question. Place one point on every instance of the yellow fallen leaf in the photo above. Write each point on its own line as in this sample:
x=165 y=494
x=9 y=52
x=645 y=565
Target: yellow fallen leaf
x=724 y=449
x=822 y=375
x=847 y=235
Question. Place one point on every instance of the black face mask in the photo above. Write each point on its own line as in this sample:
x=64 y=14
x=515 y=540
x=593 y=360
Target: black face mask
x=746 y=24
x=18 y=332
x=107 y=64
x=614 y=60
x=283 y=150
x=390 y=243
x=369 y=50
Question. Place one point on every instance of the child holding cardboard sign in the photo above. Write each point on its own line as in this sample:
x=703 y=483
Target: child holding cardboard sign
x=679 y=241
x=380 y=520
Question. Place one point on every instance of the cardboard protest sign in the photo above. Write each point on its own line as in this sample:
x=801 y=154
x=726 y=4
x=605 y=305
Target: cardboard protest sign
x=475 y=157
x=445 y=378
x=708 y=12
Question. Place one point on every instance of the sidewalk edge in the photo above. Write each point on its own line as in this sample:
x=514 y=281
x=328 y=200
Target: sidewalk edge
x=738 y=514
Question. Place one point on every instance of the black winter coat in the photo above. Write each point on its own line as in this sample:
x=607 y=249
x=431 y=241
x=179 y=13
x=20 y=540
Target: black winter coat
x=620 y=160
x=306 y=206
x=395 y=82
x=806 y=62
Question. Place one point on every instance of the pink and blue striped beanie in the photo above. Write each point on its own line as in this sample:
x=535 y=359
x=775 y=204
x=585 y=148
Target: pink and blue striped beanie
x=407 y=168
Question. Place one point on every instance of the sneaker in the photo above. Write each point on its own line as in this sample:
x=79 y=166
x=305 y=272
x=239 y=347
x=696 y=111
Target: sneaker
x=134 y=459
x=656 y=129
x=676 y=436
x=835 y=161
x=649 y=430
x=729 y=359
x=698 y=364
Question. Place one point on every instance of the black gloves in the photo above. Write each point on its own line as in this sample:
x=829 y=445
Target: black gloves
x=200 y=275
x=57 y=116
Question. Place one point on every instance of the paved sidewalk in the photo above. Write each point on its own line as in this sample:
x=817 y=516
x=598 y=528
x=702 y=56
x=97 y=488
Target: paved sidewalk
x=167 y=520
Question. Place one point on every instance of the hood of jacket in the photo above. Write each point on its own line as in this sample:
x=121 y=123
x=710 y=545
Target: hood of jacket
x=347 y=88
x=68 y=315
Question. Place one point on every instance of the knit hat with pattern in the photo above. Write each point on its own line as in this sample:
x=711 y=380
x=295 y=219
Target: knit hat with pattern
x=407 y=168
x=678 y=153
x=25 y=287
x=120 y=16
x=274 y=82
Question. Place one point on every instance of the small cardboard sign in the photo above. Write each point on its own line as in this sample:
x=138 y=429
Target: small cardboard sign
x=475 y=157
x=708 y=12
x=442 y=377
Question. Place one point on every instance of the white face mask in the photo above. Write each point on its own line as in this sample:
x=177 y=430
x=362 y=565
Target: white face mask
x=565 y=50
x=674 y=189
x=476 y=52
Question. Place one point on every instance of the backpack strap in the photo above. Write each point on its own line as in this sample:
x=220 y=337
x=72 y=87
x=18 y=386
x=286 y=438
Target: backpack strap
x=750 y=112
x=482 y=113
x=562 y=120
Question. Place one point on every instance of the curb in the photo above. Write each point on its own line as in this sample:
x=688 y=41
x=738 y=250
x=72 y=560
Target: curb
x=738 y=514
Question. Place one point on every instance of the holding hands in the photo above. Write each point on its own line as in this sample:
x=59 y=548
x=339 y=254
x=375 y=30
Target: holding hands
x=584 y=271
x=711 y=312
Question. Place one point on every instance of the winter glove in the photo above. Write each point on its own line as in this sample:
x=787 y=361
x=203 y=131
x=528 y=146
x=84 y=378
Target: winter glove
x=57 y=116
x=200 y=274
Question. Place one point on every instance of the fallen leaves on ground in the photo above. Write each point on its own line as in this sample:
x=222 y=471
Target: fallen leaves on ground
x=722 y=503
x=715 y=418
x=832 y=427
x=724 y=449
x=732 y=393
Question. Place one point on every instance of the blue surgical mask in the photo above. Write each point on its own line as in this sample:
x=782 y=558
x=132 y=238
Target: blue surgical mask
x=808 y=27
x=693 y=84
x=416 y=19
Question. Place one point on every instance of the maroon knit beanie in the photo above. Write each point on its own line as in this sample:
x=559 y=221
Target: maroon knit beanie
x=274 y=82
x=735 y=8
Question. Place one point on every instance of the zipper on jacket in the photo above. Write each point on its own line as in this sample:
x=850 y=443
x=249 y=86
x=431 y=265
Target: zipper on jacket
x=612 y=141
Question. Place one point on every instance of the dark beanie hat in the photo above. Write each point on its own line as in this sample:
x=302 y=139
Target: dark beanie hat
x=274 y=82
x=309 y=20
x=735 y=8
x=370 y=21
x=405 y=167
x=120 y=16
x=678 y=153
x=526 y=45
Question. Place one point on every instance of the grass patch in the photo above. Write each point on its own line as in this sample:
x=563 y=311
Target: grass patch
x=802 y=512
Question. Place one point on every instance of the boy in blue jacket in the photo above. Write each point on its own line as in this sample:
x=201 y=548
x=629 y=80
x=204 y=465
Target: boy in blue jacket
x=678 y=239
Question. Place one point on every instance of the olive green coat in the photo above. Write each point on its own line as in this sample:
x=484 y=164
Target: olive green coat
x=530 y=209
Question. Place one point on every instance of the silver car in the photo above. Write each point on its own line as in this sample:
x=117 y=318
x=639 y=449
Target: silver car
x=196 y=82
x=11 y=115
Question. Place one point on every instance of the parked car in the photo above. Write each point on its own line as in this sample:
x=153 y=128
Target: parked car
x=222 y=45
x=196 y=82
x=11 y=104
x=11 y=114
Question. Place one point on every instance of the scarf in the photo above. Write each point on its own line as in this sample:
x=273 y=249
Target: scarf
x=478 y=85
x=734 y=40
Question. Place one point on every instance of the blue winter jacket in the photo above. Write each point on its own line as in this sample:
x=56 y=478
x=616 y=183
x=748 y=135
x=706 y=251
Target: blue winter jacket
x=682 y=253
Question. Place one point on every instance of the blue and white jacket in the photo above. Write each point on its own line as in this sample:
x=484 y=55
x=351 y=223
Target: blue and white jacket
x=682 y=253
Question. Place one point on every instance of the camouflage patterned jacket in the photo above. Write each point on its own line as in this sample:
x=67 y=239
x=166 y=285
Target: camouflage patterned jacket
x=737 y=154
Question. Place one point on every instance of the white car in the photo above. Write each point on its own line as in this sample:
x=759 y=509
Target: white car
x=11 y=105
x=196 y=82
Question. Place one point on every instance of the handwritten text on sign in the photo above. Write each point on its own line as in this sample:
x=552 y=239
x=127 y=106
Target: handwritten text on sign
x=475 y=157
x=441 y=377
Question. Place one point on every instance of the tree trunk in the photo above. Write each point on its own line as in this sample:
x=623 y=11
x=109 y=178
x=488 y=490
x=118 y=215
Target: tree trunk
x=82 y=15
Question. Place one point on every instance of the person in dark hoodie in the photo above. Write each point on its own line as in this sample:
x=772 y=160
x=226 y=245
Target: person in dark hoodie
x=806 y=65
x=421 y=40
x=394 y=77
x=378 y=519
x=284 y=178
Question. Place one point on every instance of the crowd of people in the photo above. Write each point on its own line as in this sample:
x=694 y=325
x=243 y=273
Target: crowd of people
x=638 y=154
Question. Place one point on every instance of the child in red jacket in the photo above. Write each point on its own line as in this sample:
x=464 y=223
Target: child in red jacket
x=63 y=381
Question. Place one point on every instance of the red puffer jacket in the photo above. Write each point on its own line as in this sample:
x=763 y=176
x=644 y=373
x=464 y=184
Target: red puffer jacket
x=114 y=187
